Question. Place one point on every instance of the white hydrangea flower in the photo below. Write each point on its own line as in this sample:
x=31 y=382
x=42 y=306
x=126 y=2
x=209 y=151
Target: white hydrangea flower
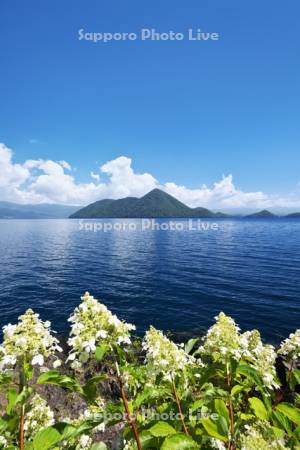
x=39 y=416
x=37 y=360
x=224 y=341
x=290 y=347
x=127 y=445
x=260 y=437
x=93 y=412
x=219 y=445
x=263 y=357
x=84 y=442
x=164 y=356
x=30 y=339
x=93 y=324
x=3 y=441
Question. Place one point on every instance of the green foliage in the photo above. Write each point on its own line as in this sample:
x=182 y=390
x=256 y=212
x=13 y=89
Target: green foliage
x=219 y=392
x=179 y=442
x=258 y=408
x=161 y=429
x=58 y=379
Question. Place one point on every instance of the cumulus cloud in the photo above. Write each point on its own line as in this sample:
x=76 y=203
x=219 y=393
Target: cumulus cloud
x=222 y=194
x=123 y=181
x=47 y=181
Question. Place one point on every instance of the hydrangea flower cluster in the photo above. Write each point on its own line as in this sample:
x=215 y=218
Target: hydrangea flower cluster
x=164 y=356
x=84 y=443
x=224 y=341
x=260 y=437
x=93 y=412
x=30 y=339
x=290 y=347
x=262 y=357
x=3 y=442
x=217 y=444
x=39 y=416
x=94 y=324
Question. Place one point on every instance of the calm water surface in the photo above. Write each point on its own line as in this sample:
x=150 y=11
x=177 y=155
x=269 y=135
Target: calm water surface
x=172 y=279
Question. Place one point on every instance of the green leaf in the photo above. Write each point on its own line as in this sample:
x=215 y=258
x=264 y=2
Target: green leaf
x=147 y=440
x=250 y=373
x=294 y=379
x=278 y=433
x=196 y=405
x=9 y=423
x=247 y=417
x=282 y=421
x=179 y=442
x=11 y=399
x=150 y=393
x=290 y=412
x=5 y=379
x=65 y=430
x=98 y=446
x=190 y=345
x=296 y=374
x=237 y=389
x=58 y=379
x=23 y=396
x=215 y=429
x=46 y=438
x=258 y=408
x=296 y=433
x=90 y=388
x=162 y=429
x=222 y=410
x=28 y=371
x=101 y=351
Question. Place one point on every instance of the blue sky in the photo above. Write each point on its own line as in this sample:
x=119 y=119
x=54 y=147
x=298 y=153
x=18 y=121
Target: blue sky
x=185 y=112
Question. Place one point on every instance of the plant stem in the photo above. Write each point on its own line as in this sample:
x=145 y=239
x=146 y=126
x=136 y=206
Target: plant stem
x=231 y=416
x=21 y=435
x=179 y=408
x=22 y=384
x=231 y=445
x=130 y=419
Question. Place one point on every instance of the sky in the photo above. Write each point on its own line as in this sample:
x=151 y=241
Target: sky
x=215 y=123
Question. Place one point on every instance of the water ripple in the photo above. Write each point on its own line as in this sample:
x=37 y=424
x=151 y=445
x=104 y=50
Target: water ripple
x=174 y=280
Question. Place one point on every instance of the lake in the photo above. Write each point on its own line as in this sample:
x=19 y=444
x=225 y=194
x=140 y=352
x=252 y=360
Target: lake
x=176 y=279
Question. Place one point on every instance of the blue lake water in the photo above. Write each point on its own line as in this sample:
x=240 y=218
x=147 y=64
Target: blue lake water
x=175 y=280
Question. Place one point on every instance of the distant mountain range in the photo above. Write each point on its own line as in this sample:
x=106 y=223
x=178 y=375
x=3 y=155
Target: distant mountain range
x=155 y=204
x=294 y=215
x=43 y=211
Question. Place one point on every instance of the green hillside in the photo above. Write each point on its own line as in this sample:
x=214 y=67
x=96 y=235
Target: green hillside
x=155 y=204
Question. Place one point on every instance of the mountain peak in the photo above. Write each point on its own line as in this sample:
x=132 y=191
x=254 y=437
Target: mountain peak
x=262 y=214
x=155 y=204
x=155 y=191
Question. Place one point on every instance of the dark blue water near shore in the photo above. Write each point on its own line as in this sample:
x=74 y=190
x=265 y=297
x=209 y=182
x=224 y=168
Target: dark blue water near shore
x=172 y=279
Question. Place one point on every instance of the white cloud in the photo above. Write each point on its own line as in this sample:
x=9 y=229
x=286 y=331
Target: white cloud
x=47 y=181
x=123 y=181
x=95 y=176
x=222 y=194
x=12 y=176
